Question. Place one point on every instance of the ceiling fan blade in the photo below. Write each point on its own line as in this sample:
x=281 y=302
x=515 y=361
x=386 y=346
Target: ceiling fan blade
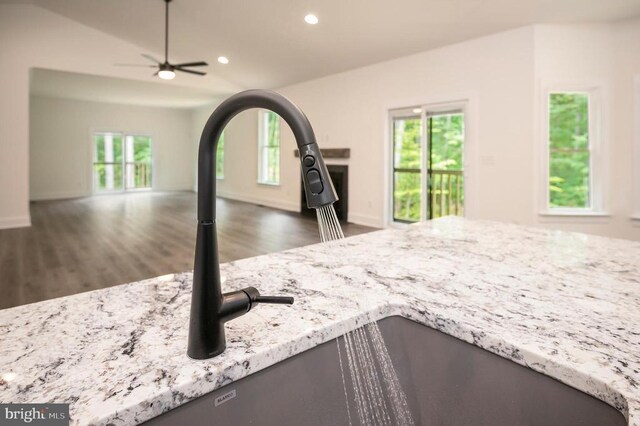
x=192 y=64
x=156 y=73
x=135 y=65
x=151 y=58
x=190 y=71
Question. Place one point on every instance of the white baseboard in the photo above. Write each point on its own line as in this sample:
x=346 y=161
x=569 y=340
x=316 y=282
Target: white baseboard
x=174 y=188
x=356 y=218
x=14 y=222
x=78 y=194
x=59 y=195
x=365 y=220
x=276 y=204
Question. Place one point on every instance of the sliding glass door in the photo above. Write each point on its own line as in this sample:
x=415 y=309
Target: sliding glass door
x=445 y=139
x=121 y=162
x=137 y=162
x=407 y=168
x=428 y=175
x=107 y=162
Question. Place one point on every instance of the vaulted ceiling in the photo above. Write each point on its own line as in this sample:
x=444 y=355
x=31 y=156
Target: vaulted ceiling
x=269 y=44
x=84 y=87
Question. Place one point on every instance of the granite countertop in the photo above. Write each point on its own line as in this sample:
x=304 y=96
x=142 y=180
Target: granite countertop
x=564 y=304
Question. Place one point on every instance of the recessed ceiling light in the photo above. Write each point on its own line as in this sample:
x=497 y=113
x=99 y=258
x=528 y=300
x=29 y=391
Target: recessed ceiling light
x=417 y=110
x=311 y=19
x=223 y=60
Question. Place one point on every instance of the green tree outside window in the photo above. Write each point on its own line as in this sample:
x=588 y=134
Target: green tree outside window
x=569 y=155
x=220 y=158
x=446 y=141
x=269 y=148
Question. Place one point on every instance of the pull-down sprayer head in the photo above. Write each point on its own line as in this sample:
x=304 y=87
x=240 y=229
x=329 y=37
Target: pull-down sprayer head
x=210 y=308
x=315 y=176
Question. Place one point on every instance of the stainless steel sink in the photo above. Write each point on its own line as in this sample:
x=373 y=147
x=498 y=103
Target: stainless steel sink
x=447 y=382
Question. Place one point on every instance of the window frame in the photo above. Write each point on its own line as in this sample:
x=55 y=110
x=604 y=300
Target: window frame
x=427 y=110
x=94 y=162
x=406 y=114
x=597 y=161
x=636 y=166
x=263 y=133
x=220 y=176
x=430 y=113
x=123 y=134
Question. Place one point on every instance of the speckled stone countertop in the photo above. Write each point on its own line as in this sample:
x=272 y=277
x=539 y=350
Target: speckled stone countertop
x=566 y=305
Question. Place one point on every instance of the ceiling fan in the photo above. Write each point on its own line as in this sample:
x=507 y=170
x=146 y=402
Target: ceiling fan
x=167 y=70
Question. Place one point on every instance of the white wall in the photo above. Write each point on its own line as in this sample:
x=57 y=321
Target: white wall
x=627 y=114
x=241 y=162
x=499 y=75
x=35 y=38
x=502 y=77
x=604 y=56
x=349 y=110
x=60 y=154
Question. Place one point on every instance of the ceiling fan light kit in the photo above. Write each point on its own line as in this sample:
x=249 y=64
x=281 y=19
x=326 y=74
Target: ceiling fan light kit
x=166 y=74
x=167 y=70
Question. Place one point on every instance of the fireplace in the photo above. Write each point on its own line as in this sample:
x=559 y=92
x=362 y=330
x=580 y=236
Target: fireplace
x=340 y=177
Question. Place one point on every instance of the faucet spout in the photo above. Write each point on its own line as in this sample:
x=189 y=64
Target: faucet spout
x=210 y=308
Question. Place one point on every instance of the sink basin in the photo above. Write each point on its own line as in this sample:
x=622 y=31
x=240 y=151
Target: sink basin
x=446 y=381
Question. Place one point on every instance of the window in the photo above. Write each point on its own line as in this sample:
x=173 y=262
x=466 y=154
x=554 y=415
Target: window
x=220 y=158
x=428 y=178
x=636 y=168
x=121 y=162
x=407 y=170
x=445 y=136
x=269 y=148
x=570 y=157
x=107 y=162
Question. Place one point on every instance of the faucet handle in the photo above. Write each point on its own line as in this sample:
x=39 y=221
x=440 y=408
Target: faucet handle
x=282 y=300
x=255 y=298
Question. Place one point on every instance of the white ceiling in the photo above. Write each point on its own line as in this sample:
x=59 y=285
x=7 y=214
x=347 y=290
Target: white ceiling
x=83 y=87
x=270 y=45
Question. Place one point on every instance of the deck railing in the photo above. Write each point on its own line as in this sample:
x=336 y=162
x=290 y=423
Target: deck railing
x=140 y=173
x=109 y=176
x=446 y=192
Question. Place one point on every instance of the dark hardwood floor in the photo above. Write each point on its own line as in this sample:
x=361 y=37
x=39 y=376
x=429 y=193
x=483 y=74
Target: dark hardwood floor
x=90 y=243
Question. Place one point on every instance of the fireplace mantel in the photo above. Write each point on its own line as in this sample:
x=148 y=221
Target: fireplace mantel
x=331 y=153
